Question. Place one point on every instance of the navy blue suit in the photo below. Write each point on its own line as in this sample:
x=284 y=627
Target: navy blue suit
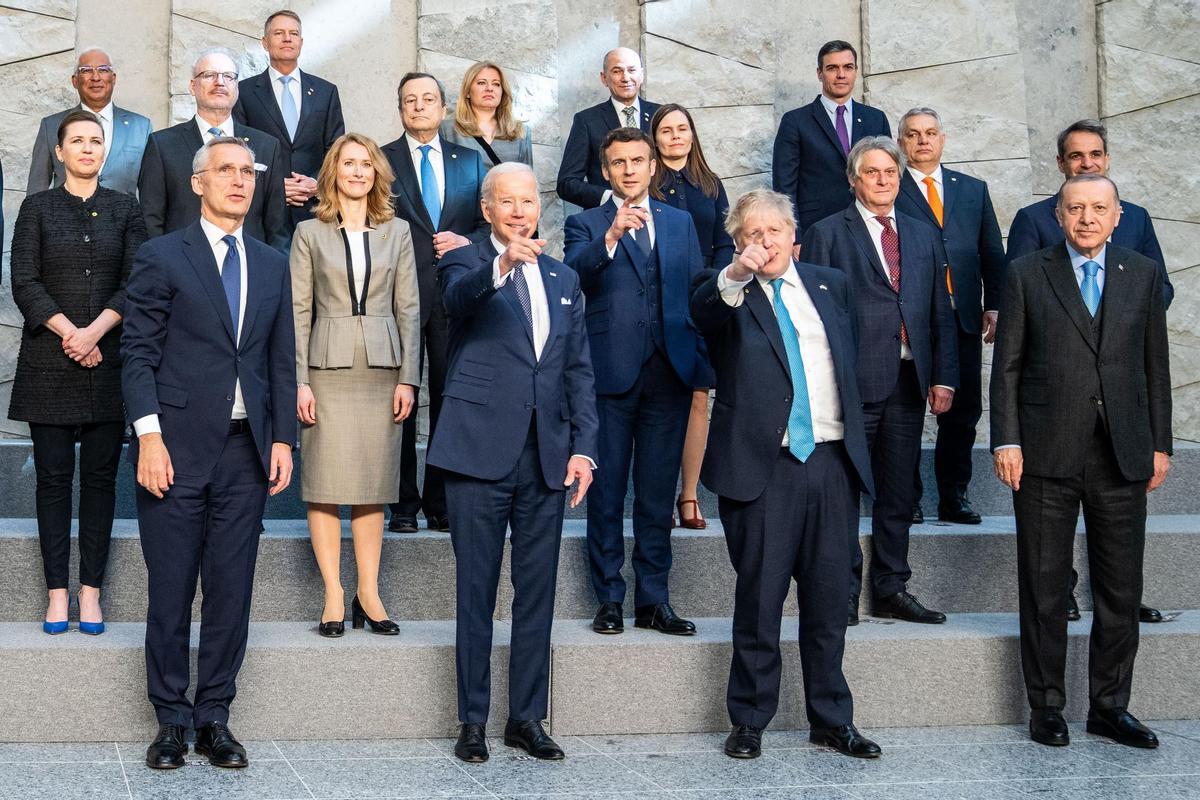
x=512 y=473
x=580 y=178
x=181 y=362
x=808 y=164
x=647 y=358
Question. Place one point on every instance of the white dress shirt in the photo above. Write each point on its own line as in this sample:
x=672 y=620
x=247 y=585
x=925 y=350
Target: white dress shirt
x=875 y=228
x=645 y=206
x=1078 y=260
x=620 y=109
x=435 y=158
x=293 y=87
x=358 y=260
x=831 y=109
x=226 y=128
x=539 y=305
x=920 y=177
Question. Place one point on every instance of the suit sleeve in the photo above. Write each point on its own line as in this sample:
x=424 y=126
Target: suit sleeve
x=816 y=248
x=335 y=122
x=785 y=163
x=28 y=291
x=406 y=307
x=464 y=285
x=281 y=366
x=709 y=310
x=1158 y=370
x=275 y=214
x=572 y=183
x=1007 y=361
x=887 y=126
x=723 y=246
x=41 y=164
x=942 y=323
x=300 y=268
x=144 y=331
x=239 y=108
x=579 y=383
x=1150 y=248
x=991 y=254
x=152 y=191
x=1022 y=237
x=586 y=255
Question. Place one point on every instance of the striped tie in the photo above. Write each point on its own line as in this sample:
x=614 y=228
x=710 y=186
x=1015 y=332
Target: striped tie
x=522 y=290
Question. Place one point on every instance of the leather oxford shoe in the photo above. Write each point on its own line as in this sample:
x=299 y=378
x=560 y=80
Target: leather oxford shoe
x=904 y=606
x=608 y=619
x=918 y=516
x=530 y=736
x=215 y=742
x=472 y=743
x=1148 y=614
x=744 y=741
x=168 y=748
x=959 y=511
x=440 y=523
x=1047 y=726
x=662 y=618
x=853 y=609
x=1122 y=727
x=402 y=523
x=1072 y=608
x=846 y=740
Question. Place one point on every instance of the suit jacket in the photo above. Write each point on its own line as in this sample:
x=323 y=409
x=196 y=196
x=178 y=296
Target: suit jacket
x=580 y=179
x=1050 y=373
x=808 y=165
x=747 y=351
x=494 y=375
x=328 y=326
x=180 y=357
x=165 y=183
x=971 y=239
x=120 y=172
x=843 y=241
x=618 y=310
x=1035 y=227
x=461 y=212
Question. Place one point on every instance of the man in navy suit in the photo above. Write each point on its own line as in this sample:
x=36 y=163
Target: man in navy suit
x=959 y=209
x=299 y=109
x=581 y=177
x=636 y=259
x=809 y=161
x=788 y=473
x=209 y=379
x=518 y=427
x=437 y=192
x=906 y=353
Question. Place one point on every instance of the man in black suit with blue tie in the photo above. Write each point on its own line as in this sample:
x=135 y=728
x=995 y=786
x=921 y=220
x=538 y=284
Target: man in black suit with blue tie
x=580 y=173
x=906 y=353
x=636 y=259
x=518 y=427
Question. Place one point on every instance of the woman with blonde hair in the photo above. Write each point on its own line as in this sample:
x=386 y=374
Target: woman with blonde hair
x=484 y=121
x=357 y=317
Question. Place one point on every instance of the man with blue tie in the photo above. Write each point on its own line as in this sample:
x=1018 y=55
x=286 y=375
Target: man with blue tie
x=209 y=378
x=636 y=259
x=518 y=427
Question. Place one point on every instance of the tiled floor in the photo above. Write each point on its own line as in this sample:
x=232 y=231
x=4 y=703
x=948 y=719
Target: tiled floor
x=967 y=763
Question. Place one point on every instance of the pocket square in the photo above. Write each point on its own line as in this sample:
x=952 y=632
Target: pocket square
x=566 y=301
x=260 y=167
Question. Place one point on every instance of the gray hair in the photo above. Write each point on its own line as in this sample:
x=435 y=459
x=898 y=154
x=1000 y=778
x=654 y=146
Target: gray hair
x=919 y=111
x=866 y=145
x=758 y=200
x=200 y=160
x=214 y=51
x=504 y=168
x=1088 y=177
x=83 y=51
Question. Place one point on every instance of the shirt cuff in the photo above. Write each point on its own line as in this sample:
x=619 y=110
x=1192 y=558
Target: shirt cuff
x=147 y=424
x=498 y=280
x=589 y=460
x=731 y=290
x=612 y=251
x=1006 y=447
x=947 y=388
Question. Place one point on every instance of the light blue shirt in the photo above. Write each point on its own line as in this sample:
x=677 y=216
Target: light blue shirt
x=1077 y=262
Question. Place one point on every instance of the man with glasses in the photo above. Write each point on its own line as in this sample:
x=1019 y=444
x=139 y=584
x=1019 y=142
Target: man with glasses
x=165 y=183
x=125 y=132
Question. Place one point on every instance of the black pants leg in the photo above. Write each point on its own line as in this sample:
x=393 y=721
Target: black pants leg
x=956 y=427
x=434 y=342
x=99 y=458
x=54 y=464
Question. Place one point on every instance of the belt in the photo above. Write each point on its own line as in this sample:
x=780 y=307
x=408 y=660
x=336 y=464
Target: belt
x=239 y=426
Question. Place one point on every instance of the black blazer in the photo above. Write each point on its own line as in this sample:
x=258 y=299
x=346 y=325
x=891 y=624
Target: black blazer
x=808 y=165
x=1050 y=373
x=754 y=383
x=970 y=238
x=580 y=179
x=165 y=183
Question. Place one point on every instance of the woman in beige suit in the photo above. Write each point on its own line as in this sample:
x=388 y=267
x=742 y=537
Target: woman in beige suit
x=354 y=294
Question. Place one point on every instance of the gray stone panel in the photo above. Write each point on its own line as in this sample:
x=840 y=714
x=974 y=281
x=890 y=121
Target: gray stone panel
x=246 y=17
x=804 y=27
x=1133 y=79
x=53 y=8
x=1153 y=26
x=1008 y=184
x=1145 y=160
x=904 y=35
x=25 y=35
x=17 y=132
x=497 y=31
x=189 y=37
x=728 y=83
x=137 y=37
x=748 y=37
x=38 y=87
x=737 y=141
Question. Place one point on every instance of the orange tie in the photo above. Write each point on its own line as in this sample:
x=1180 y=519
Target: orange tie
x=935 y=202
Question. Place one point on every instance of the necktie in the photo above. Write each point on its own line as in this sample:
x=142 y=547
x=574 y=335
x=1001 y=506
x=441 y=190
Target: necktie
x=800 y=430
x=891 y=254
x=1090 y=287
x=215 y=132
x=842 y=132
x=522 y=290
x=429 y=187
x=231 y=279
x=642 y=237
x=935 y=201
x=291 y=115
x=630 y=120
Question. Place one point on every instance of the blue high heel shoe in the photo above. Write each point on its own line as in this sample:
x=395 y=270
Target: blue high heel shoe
x=91 y=628
x=54 y=628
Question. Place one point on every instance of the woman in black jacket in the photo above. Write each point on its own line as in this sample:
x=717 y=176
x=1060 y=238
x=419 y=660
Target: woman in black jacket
x=71 y=253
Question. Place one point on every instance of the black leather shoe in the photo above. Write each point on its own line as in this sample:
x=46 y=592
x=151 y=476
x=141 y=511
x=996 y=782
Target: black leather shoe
x=918 y=516
x=1047 y=726
x=608 y=619
x=359 y=618
x=960 y=512
x=332 y=630
x=662 y=618
x=438 y=522
x=472 y=743
x=852 y=619
x=1148 y=614
x=1072 y=608
x=530 y=736
x=744 y=741
x=903 y=605
x=846 y=740
x=1122 y=727
x=168 y=748
x=402 y=523
x=215 y=742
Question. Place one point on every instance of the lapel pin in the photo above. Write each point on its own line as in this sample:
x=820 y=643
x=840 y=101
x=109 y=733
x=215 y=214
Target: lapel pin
x=1121 y=267
x=746 y=290
x=953 y=179
x=310 y=91
x=822 y=287
x=858 y=119
x=553 y=274
x=454 y=155
x=124 y=122
x=384 y=236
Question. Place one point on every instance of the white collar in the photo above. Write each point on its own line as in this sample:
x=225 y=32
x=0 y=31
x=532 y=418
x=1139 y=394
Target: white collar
x=414 y=144
x=620 y=201
x=276 y=74
x=869 y=215
x=919 y=176
x=215 y=234
x=105 y=113
x=790 y=276
x=1078 y=259
x=832 y=107
x=226 y=126
x=620 y=108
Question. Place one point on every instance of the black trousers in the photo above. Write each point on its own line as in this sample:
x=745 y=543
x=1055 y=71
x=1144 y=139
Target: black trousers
x=434 y=341
x=956 y=428
x=1114 y=511
x=54 y=464
x=800 y=529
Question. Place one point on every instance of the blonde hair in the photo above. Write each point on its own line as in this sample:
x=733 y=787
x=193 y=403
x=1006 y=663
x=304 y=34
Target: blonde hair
x=379 y=201
x=507 y=126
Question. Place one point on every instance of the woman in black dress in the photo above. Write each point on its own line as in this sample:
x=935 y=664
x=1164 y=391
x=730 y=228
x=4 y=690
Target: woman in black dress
x=71 y=253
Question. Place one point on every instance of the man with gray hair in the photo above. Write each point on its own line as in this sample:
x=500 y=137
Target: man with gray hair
x=165 y=183
x=907 y=353
x=125 y=132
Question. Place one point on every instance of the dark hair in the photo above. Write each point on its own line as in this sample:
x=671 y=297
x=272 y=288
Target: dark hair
x=624 y=134
x=1082 y=126
x=697 y=168
x=283 y=12
x=78 y=115
x=412 y=76
x=835 y=46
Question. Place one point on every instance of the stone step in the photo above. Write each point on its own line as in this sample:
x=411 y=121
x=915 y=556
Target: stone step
x=956 y=568
x=296 y=685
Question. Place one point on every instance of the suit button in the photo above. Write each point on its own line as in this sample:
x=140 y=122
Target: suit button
x=87 y=238
x=239 y=359
x=779 y=430
x=87 y=273
x=536 y=371
x=901 y=302
x=228 y=397
x=787 y=399
x=1099 y=402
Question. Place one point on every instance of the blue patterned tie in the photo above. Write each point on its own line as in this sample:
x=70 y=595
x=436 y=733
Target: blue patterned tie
x=1090 y=287
x=522 y=290
x=429 y=187
x=291 y=115
x=800 y=429
x=231 y=279
x=215 y=132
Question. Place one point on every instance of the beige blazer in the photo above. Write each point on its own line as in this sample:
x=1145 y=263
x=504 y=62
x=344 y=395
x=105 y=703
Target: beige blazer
x=327 y=330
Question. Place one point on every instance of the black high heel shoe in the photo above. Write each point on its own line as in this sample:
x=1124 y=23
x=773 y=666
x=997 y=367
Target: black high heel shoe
x=359 y=618
x=333 y=629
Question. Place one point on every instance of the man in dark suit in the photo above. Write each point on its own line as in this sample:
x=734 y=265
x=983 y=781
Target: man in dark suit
x=809 y=161
x=580 y=173
x=788 y=474
x=438 y=189
x=636 y=259
x=906 y=354
x=518 y=427
x=165 y=182
x=1081 y=414
x=958 y=208
x=209 y=379
x=300 y=110
x=125 y=132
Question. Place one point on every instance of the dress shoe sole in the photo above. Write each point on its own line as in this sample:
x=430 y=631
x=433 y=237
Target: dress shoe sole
x=165 y=765
x=239 y=764
x=955 y=520
x=737 y=754
x=650 y=626
x=1105 y=730
x=519 y=745
x=474 y=758
x=607 y=631
x=1050 y=741
x=864 y=756
x=890 y=615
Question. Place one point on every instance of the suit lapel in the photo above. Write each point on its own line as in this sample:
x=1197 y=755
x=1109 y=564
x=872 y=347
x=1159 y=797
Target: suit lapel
x=199 y=255
x=452 y=170
x=254 y=293
x=760 y=307
x=487 y=252
x=862 y=237
x=552 y=284
x=822 y=118
x=950 y=191
x=266 y=96
x=910 y=188
x=120 y=133
x=406 y=177
x=647 y=115
x=632 y=252
x=609 y=114
x=819 y=294
x=308 y=98
x=907 y=256
x=1115 y=296
x=1061 y=275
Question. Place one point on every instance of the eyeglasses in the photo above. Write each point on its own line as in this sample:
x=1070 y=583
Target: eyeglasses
x=211 y=76
x=227 y=171
x=104 y=70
